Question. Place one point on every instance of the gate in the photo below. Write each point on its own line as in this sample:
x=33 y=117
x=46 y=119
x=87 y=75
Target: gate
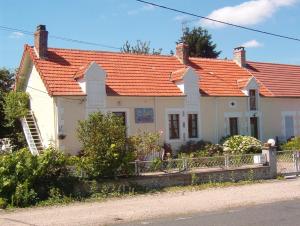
x=288 y=163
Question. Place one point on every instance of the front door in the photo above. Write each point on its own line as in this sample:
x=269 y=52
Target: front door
x=254 y=127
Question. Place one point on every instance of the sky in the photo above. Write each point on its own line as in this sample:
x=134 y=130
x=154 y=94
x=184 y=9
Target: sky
x=112 y=22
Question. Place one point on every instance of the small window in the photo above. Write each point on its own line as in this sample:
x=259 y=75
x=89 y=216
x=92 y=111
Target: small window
x=252 y=100
x=193 y=125
x=233 y=126
x=174 y=126
x=254 y=127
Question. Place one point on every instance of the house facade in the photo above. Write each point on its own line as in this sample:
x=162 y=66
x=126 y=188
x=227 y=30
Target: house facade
x=183 y=97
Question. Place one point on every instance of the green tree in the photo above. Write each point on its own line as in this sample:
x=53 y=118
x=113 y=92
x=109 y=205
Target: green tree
x=140 y=48
x=103 y=137
x=12 y=130
x=6 y=84
x=16 y=106
x=200 y=43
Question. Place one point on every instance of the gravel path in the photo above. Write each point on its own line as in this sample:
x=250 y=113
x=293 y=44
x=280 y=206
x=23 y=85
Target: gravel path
x=149 y=206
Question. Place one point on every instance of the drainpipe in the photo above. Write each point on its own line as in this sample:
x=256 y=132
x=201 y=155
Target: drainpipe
x=217 y=120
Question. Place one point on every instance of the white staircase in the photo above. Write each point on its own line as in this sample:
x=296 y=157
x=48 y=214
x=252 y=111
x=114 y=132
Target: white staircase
x=32 y=134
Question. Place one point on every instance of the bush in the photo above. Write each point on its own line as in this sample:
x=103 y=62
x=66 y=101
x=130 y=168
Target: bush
x=106 y=151
x=293 y=144
x=192 y=146
x=16 y=105
x=145 y=143
x=238 y=144
x=26 y=179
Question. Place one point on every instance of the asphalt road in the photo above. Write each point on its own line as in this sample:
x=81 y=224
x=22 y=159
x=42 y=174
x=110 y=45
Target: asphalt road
x=285 y=213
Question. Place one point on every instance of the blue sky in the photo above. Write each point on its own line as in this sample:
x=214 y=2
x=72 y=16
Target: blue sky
x=112 y=22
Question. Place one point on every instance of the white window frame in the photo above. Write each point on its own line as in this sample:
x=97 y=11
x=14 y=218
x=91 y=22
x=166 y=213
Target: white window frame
x=198 y=125
x=181 y=121
x=228 y=115
x=258 y=115
x=283 y=115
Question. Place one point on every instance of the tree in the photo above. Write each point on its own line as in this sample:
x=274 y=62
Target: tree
x=12 y=130
x=200 y=43
x=103 y=137
x=6 y=83
x=140 y=48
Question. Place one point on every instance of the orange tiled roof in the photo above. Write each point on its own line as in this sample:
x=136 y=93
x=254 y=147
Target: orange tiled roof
x=178 y=74
x=282 y=80
x=148 y=75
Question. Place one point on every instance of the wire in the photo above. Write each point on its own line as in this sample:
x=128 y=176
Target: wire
x=59 y=37
x=41 y=91
x=219 y=21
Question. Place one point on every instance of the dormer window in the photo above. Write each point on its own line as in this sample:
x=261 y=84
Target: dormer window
x=252 y=100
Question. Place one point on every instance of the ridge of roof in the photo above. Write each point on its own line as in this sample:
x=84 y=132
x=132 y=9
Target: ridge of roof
x=273 y=63
x=109 y=52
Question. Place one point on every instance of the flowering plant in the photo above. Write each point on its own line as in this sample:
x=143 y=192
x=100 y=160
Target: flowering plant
x=239 y=144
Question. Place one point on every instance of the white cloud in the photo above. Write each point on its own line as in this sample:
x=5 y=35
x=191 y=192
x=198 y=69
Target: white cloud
x=247 y=13
x=182 y=18
x=16 y=35
x=141 y=9
x=252 y=44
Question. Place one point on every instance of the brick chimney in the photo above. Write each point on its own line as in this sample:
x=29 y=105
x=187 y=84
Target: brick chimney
x=182 y=52
x=239 y=56
x=41 y=41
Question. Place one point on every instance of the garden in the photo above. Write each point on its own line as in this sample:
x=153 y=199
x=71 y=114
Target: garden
x=53 y=177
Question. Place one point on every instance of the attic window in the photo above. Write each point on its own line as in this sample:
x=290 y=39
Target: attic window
x=252 y=100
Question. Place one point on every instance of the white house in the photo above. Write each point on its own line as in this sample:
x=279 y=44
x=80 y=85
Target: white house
x=186 y=98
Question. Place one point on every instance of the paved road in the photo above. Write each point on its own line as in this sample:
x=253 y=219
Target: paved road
x=286 y=213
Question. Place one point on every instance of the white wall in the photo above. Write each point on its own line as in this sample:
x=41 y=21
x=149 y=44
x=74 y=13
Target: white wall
x=42 y=106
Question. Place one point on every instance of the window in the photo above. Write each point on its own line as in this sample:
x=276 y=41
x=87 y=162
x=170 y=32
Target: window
x=233 y=126
x=252 y=100
x=289 y=126
x=254 y=127
x=174 y=126
x=122 y=115
x=193 y=125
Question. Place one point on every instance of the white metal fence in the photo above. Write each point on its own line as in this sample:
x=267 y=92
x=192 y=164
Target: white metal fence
x=200 y=164
x=288 y=162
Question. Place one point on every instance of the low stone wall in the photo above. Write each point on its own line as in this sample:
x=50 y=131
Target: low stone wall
x=188 y=178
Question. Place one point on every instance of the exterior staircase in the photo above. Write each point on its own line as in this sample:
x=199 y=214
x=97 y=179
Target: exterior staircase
x=32 y=133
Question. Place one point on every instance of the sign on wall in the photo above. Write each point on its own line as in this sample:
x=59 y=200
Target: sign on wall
x=144 y=115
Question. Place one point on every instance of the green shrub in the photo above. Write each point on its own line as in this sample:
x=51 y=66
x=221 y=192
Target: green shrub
x=103 y=137
x=238 y=144
x=16 y=105
x=192 y=146
x=145 y=143
x=293 y=144
x=3 y=203
x=26 y=179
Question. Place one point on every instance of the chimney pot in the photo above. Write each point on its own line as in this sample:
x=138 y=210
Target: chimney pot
x=41 y=41
x=239 y=56
x=182 y=52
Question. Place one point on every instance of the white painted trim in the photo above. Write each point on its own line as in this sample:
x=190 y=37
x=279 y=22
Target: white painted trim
x=198 y=125
x=283 y=115
x=258 y=114
x=228 y=115
x=179 y=111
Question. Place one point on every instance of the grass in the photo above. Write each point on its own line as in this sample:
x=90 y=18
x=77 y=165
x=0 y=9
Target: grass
x=105 y=194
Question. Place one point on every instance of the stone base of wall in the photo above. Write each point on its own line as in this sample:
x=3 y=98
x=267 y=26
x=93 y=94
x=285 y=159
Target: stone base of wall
x=188 y=178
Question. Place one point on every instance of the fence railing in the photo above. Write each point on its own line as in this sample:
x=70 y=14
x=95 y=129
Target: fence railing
x=288 y=162
x=194 y=164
